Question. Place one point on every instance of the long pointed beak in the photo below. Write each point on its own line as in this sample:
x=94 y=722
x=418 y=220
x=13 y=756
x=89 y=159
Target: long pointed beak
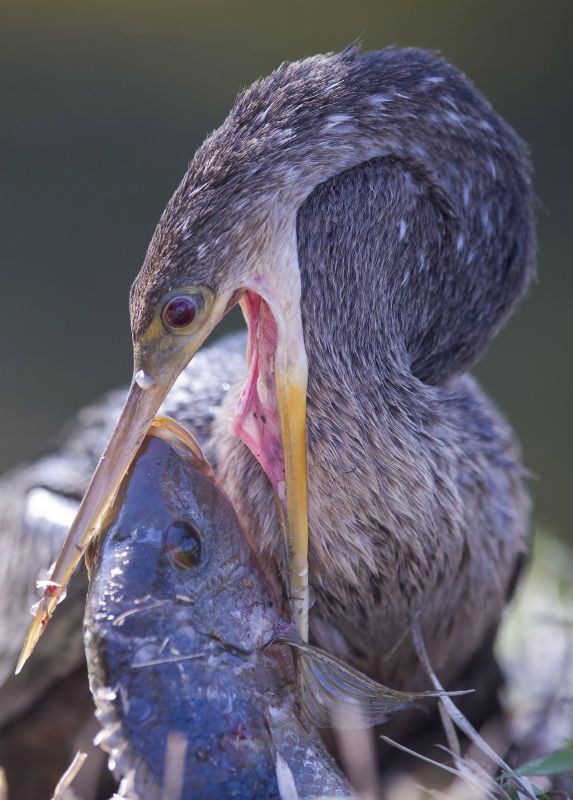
x=143 y=401
x=163 y=359
x=136 y=416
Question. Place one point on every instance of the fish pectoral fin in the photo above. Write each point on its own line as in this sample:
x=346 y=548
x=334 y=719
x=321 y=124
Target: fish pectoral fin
x=336 y=695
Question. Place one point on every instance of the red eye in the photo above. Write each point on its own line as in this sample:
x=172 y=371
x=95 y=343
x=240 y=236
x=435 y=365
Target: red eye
x=180 y=311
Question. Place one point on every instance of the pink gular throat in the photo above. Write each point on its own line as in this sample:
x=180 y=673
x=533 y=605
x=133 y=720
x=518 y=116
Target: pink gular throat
x=257 y=421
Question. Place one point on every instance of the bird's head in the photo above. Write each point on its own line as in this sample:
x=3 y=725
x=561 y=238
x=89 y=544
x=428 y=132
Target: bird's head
x=222 y=240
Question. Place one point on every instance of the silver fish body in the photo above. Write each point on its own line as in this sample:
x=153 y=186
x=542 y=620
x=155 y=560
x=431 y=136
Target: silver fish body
x=191 y=700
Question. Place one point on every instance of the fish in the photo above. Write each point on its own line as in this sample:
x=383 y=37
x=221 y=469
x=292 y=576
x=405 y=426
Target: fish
x=202 y=688
x=193 y=699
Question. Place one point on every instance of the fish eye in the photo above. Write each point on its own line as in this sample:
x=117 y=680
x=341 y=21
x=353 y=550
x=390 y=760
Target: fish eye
x=179 y=312
x=183 y=544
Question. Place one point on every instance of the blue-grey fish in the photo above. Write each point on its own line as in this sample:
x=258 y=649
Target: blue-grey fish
x=189 y=659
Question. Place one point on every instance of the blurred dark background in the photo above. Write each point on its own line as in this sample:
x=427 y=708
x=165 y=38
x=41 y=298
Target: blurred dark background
x=103 y=104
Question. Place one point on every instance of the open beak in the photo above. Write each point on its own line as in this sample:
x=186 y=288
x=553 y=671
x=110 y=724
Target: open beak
x=277 y=387
x=271 y=420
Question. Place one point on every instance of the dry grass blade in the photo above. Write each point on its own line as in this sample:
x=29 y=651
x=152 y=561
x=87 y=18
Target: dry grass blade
x=356 y=744
x=68 y=776
x=451 y=735
x=174 y=773
x=471 y=767
x=487 y=794
x=523 y=787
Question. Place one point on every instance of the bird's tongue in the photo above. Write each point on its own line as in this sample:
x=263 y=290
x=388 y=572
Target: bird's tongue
x=257 y=420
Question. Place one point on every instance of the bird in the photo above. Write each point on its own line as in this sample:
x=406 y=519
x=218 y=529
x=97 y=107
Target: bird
x=373 y=217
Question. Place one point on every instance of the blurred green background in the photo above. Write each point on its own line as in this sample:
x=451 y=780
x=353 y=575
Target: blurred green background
x=103 y=104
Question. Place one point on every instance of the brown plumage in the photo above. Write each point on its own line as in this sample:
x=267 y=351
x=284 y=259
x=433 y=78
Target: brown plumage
x=381 y=210
x=415 y=237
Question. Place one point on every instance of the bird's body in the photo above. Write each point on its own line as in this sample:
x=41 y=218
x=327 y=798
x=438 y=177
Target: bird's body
x=409 y=263
x=427 y=515
x=380 y=211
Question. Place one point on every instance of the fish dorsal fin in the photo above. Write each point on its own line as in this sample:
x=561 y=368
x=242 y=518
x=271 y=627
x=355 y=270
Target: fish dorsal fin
x=334 y=694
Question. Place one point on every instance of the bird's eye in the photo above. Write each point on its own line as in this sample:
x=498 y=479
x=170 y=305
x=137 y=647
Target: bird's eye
x=183 y=545
x=180 y=311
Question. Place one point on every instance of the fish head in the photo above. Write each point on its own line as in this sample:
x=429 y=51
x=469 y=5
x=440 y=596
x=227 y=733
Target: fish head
x=172 y=565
